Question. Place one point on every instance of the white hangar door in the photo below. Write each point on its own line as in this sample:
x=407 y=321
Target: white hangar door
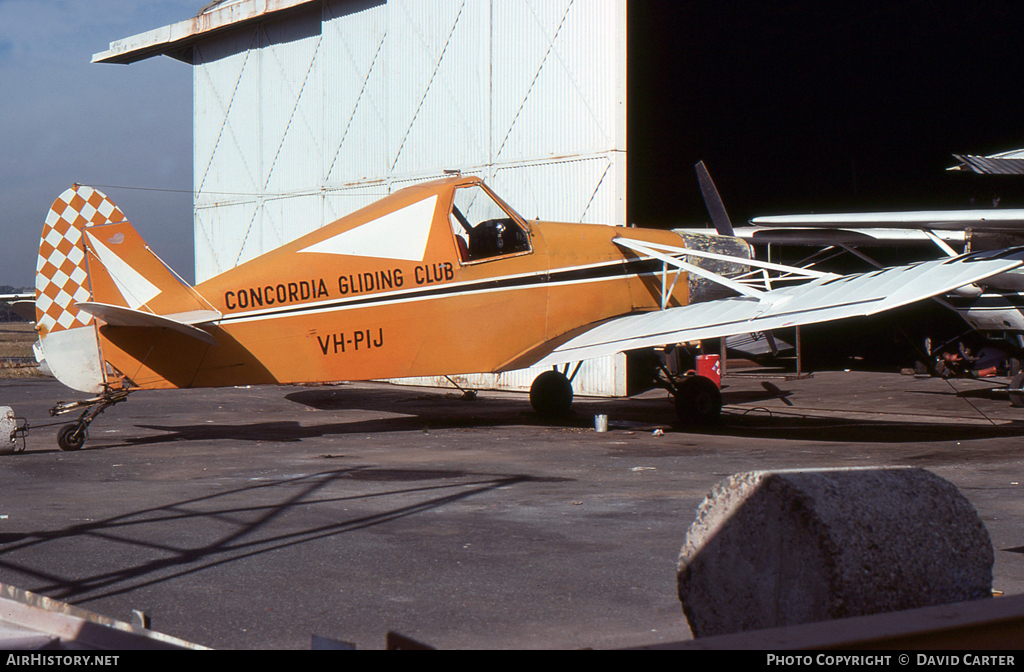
x=303 y=119
x=258 y=134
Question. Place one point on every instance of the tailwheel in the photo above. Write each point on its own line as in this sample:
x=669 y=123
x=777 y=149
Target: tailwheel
x=551 y=394
x=698 y=400
x=72 y=437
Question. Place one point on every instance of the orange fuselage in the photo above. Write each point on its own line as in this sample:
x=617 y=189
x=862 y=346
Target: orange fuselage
x=303 y=314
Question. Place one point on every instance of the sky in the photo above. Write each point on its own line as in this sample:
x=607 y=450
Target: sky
x=125 y=129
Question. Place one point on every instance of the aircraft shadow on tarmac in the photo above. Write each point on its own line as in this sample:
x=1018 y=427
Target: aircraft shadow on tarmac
x=741 y=417
x=250 y=511
x=770 y=392
x=422 y=412
x=746 y=413
x=292 y=431
x=803 y=429
x=995 y=393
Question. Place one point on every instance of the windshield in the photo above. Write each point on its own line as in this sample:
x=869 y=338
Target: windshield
x=483 y=229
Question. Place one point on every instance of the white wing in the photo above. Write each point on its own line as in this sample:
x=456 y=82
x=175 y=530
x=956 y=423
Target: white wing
x=993 y=219
x=821 y=300
x=824 y=236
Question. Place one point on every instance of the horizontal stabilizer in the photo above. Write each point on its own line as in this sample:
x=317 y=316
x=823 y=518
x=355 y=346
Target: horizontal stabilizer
x=118 y=316
x=822 y=300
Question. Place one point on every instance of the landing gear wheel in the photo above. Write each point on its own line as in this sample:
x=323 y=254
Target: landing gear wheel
x=551 y=395
x=71 y=437
x=698 y=401
x=1017 y=398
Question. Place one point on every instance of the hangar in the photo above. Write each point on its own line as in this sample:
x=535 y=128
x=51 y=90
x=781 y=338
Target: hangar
x=307 y=110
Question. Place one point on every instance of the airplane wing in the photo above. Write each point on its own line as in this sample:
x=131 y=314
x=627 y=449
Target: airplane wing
x=1009 y=219
x=825 y=236
x=824 y=299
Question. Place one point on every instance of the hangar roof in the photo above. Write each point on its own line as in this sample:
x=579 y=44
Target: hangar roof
x=177 y=40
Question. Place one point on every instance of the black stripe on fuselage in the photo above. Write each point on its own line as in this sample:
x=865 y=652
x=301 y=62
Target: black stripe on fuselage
x=602 y=272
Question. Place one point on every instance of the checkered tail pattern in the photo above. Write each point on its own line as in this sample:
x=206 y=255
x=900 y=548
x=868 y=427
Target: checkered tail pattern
x=62 y=277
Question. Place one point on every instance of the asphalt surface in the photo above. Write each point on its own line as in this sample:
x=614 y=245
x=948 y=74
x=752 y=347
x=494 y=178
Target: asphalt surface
x=257 y=518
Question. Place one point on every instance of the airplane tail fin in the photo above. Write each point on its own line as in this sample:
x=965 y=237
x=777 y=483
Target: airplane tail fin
x=92 y=263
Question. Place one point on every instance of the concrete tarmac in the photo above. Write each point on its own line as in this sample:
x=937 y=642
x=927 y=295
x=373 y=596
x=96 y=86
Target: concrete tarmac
x=257 y=518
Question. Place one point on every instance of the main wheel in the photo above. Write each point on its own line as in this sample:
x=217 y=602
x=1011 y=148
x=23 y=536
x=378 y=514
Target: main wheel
x=71 y=437
x=551 y=394
x=698 y=401
x=1017 y=398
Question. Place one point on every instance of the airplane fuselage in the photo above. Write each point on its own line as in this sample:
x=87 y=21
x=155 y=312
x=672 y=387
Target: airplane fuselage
x=354 y=302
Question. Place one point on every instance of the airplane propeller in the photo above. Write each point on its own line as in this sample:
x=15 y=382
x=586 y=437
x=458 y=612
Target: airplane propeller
x=723 y=225
x=713 y=201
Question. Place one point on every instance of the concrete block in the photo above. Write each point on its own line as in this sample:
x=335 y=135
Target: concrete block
x=769 y=549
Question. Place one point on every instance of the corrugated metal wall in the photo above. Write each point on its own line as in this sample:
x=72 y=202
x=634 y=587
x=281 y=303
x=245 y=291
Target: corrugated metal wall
x=306 y=118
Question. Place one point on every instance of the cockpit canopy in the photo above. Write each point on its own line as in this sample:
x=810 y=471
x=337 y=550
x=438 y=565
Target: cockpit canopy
x=483 y=228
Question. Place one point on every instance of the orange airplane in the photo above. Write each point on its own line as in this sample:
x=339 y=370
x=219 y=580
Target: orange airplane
x=440 y=278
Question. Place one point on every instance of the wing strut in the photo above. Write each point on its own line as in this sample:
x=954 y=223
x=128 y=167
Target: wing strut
x=824 y=300
x=673 y=256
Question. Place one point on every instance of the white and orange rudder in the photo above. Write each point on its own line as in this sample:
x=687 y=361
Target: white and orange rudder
x=93 y=264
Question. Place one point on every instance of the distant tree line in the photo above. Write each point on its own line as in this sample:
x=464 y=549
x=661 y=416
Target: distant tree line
x=6 y=314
